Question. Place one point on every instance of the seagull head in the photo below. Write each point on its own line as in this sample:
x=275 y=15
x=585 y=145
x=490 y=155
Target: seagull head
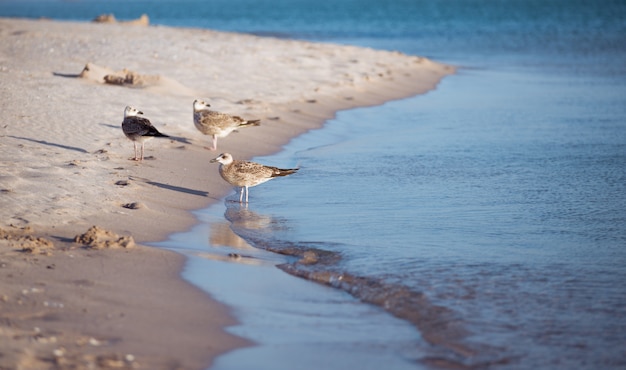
x=131 y=111
x=224 y=158
x=200 y=105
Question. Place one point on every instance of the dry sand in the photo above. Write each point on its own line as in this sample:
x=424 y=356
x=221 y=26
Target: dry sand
x=64 y=166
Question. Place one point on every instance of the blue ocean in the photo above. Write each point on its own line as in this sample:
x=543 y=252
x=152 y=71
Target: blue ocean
x=479 y=226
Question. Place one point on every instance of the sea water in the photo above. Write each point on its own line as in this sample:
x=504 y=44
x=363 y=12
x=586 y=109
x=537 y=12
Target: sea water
x=480 y=225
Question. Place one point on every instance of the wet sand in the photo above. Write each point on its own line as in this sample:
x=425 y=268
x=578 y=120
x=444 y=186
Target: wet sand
x=65 y=305
x=64 y=167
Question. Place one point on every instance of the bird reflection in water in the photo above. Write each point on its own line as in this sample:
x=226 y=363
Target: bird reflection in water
x=222 y=236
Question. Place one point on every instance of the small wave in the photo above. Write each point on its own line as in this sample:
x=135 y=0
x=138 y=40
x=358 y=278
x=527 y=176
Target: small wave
x=440 y=326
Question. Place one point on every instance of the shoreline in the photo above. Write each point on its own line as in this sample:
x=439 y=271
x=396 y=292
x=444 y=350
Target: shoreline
x=65 y=160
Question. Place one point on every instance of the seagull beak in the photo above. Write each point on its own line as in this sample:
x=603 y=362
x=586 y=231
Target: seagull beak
x=140 y=112
x=213 y=160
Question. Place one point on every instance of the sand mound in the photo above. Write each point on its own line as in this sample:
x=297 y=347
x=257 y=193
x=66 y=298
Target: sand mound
x=128 y=78
x=23 y=240
x=110 y=18
x=124 y=77
x=99 y=238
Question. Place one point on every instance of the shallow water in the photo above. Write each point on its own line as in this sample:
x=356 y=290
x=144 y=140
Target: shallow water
x=509 y=219
x=489 y=214
x=292 y=320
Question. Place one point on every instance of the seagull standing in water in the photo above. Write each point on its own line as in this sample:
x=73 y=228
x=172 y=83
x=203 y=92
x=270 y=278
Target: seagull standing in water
x=138 y=129
x=246 y=174
x=215 y=123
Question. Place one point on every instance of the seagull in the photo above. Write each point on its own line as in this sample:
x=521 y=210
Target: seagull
x=138 y=129
x=215 y=123
x=246 y=174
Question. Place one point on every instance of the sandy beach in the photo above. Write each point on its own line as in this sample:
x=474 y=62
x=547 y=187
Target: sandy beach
x=65 y=166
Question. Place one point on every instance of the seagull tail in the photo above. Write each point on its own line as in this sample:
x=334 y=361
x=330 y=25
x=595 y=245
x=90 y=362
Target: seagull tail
x=154 y=132
x=284 y=172
x=254 y=122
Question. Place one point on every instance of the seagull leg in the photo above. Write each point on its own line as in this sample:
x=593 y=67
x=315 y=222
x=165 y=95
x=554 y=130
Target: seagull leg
x=241 y=195
x=141 y=151
x=247 y=192
x=214 y=147
x=135 y=144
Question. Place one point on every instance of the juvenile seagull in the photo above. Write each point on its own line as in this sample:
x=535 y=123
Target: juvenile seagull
x=246 y=174
x=215 y=123
x=138 y=129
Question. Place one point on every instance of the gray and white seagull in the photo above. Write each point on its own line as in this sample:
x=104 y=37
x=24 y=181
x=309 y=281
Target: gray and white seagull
x=246 y=174
x=138 y=129
x=215 y=123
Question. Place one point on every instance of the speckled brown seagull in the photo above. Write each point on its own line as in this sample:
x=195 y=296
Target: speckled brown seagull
x=246 y=174
x=138 y=129
x=217 y=124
